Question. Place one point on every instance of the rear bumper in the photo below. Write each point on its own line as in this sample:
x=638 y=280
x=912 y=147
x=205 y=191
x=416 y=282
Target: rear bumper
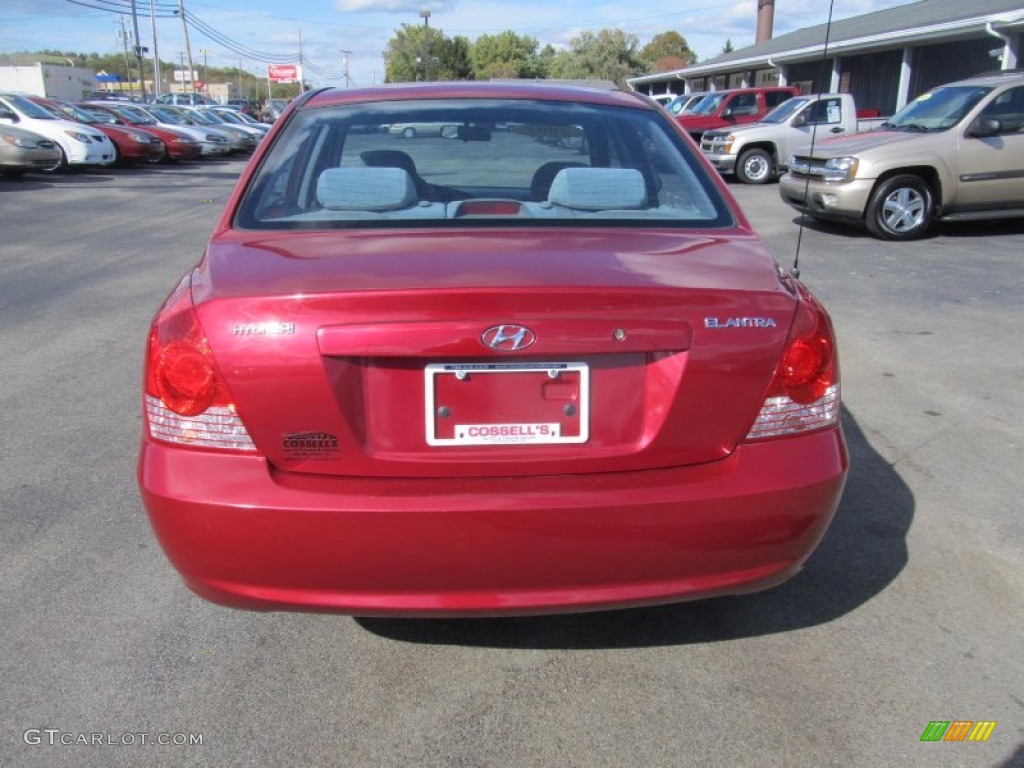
x=243 y=535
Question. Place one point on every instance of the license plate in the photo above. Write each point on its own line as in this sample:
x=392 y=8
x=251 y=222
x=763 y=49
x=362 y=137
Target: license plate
x=507 y=403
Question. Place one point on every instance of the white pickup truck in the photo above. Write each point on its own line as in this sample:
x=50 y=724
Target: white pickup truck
x=757 y=153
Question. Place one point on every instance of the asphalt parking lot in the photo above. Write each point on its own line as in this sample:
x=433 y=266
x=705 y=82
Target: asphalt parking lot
x=909 y=612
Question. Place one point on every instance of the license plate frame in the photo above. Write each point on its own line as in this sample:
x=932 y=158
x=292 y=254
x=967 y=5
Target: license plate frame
x=503 y=433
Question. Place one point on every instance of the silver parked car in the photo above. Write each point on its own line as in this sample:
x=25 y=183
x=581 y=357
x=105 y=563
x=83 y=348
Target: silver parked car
x=22 y=151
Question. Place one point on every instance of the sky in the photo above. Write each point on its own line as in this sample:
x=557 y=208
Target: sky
x=363 y=27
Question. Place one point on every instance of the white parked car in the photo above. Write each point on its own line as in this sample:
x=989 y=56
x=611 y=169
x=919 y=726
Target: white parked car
x=79 y=144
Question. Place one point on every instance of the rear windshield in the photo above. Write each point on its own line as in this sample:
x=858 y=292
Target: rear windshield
x=454 y=162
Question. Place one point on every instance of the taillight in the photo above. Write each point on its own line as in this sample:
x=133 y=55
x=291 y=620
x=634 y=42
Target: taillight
x=804 y=392
x=187 y=400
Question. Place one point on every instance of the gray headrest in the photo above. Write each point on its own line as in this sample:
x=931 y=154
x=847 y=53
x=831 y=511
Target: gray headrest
x=596 y=189
x=365 y=189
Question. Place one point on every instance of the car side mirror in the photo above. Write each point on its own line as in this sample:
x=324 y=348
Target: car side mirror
x=984 y=127
x=800 y=120
x=6 y=114
x=727 y=112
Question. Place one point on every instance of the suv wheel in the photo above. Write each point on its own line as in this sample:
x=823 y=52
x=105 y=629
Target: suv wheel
x=755 y=166
x=900 y=208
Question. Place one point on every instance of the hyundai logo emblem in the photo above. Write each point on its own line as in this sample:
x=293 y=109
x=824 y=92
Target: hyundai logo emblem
x=508 y=338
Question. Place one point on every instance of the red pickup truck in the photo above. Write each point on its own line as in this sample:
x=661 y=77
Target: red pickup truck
x=724 y=109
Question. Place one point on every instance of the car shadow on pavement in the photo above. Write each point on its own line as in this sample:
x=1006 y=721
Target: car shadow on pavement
x=994 y=228
x=863 y=551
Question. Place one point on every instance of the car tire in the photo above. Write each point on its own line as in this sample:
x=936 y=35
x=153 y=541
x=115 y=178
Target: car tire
x=900 y=208
x=409 y=133
x=61 y=165
x=12 y=173
x=755 y=166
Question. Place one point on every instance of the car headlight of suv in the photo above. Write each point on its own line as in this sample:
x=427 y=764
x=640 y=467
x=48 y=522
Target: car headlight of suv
x=82 y=137
x=840 y=169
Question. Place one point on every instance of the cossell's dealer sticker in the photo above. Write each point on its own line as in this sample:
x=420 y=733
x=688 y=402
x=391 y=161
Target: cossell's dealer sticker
x=501 y=434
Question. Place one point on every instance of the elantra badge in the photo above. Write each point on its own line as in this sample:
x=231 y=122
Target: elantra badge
x=739 y=322
x=508 y=338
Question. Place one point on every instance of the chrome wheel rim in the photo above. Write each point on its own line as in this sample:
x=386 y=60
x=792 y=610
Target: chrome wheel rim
x=903 y=210
x=755 y=167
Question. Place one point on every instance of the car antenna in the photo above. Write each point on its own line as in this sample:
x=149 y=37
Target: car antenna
x=795 y=271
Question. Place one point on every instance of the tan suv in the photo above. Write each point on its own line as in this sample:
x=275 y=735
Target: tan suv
x=954 y=153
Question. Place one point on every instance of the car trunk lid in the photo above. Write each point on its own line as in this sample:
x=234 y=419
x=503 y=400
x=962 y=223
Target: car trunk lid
x=517 y=353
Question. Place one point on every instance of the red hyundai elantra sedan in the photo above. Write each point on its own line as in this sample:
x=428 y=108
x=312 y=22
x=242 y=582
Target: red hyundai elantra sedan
x=536 y=361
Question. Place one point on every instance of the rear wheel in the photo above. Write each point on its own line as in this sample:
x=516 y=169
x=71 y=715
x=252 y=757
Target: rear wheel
x=755 y=166
x=900 y=208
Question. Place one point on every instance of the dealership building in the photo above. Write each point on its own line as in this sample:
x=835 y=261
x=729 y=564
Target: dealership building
x=885 y=59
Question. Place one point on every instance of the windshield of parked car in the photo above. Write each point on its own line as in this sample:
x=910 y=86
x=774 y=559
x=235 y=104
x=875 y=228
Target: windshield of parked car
x=165 y=115
x=224 y=116
x=675 y=106
x=99 y=116
x=134 y=115
x=246 y=119
x=201 y=117
x=507 y=162
x=785 y=110
x=28 y=108
x=76 y=114
x=708 y=105
x=937 y=110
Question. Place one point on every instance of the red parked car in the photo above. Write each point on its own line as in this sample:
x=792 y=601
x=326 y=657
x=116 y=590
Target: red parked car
x=179 y=145
x=131 y=145
x=738 y=106
x=486 y=372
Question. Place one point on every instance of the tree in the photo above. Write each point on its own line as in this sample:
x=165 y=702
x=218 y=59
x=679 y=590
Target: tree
x=727 y=48
x=610 y=54
x=667 y=51
x=425 y=53
x=455 y=62
x=505 y=55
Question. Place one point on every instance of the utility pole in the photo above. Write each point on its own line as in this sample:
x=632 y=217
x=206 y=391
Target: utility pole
x=188 y=47
x=156 y=55
x=348 y=83
x=127 y=66
x=139 y=50
x=302 y=84
x=239 y=78
x=206 y=67
x=425 y=15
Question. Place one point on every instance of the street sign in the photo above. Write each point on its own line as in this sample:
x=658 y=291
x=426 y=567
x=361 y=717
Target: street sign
x=182 y=75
